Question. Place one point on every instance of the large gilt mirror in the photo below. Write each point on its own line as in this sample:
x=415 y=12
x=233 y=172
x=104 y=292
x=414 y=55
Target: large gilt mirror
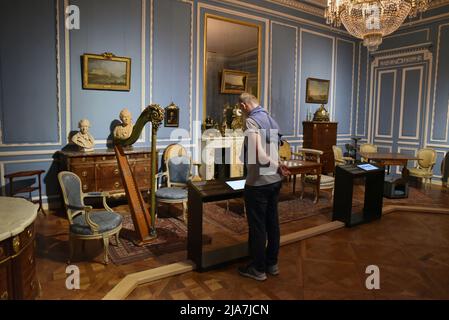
x=231 y=65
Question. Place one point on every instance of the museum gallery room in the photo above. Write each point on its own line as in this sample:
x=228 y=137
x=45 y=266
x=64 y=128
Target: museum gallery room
x=124 y=149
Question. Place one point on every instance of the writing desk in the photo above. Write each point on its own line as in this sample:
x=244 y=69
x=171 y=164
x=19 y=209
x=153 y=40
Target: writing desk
x=390 y=159
x=302 y=167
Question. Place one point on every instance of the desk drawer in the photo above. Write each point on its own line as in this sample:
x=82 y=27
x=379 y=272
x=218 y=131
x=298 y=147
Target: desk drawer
x=142 y=169
x=81 y=160
x=107 y=171
x=110 y=185
x=84 y=172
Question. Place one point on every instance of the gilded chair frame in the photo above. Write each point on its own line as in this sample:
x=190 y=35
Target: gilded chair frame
x=371 y=148
x=174 y=150
x=86 y=211
x=427 y=171
x=339 y=159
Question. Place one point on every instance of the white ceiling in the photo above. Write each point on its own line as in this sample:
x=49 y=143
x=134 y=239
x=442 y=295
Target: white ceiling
x=229 y=38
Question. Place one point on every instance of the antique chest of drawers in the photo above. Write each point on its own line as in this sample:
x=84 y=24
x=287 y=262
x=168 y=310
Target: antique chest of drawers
x=98 y=170
x=17 y=249
x=321 y=136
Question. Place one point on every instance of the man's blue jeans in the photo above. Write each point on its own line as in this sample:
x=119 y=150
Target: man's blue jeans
x=263 y=221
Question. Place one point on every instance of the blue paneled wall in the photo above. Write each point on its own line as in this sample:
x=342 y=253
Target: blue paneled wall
x=404 y=91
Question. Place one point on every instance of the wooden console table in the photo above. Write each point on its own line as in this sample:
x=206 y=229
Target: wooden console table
x=98 y=170
x=17 y=253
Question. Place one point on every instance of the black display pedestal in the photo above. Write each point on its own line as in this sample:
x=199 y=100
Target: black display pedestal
x=343 y=194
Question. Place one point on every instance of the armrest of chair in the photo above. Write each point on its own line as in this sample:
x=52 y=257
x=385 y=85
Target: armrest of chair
x=103 y=194
x=158 y=176
x=89 y=221
x=81 y=208
x=349 y=159
x=297 y=154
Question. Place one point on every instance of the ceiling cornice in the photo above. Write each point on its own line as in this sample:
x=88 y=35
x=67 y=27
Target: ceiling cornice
x=318 y=8
x=301 y=6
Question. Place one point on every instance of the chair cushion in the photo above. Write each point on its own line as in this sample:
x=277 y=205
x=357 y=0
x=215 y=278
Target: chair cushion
x=420 y=172
x=323 y=179
x=171 y=193
x=106 y=221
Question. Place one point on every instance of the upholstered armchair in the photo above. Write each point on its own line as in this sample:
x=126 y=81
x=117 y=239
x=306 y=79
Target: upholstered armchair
x=368 y=148
x=178 y=168
x=326 y=182
x=424 y=169
x=286 y=153
x=86 y=224
x=339 y=159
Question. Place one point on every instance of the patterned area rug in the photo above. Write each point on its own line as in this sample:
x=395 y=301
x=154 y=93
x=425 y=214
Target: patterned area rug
x=171 y=237
x=289 y=210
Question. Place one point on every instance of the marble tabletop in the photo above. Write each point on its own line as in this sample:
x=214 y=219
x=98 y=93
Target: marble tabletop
x=15 y=215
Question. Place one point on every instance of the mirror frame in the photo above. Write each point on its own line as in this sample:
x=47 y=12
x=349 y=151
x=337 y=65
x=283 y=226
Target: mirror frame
x=208 y=16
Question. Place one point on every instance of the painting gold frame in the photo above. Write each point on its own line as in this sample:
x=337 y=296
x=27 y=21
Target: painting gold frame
x=104 y=80
x=259 y=53
x=315 y=90
x=241 y=76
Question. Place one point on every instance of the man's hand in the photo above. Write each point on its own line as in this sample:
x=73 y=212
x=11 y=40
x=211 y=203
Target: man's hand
x=283 y=170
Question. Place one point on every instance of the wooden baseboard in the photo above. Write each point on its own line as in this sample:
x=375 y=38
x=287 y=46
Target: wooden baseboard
x=131 y=281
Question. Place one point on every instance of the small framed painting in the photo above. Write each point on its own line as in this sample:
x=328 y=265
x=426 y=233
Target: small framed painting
x=106 y=72
x=317 y=90
x=234 y=81
x=171 y=118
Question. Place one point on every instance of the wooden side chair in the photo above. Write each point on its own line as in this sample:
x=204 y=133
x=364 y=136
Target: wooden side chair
x=339 y=159
x=424 y=169
x=326 y=182
x=368 y=148
x=86 y=224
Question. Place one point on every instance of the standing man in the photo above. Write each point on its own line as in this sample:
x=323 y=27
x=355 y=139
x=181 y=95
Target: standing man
x=263 y=183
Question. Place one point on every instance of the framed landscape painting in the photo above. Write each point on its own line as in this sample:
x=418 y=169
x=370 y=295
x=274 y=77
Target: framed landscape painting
x=106 y=72
x=317 y=90
x=234 y=81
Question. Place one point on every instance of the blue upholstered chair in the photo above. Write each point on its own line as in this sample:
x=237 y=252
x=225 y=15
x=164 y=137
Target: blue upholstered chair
x=86 y=224
x=178 y=167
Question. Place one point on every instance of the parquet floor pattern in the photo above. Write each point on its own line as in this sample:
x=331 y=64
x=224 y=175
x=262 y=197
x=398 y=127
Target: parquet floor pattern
x=329 y=266
x=410 y=249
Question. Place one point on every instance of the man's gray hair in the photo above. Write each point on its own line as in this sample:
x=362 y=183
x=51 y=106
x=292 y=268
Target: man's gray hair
x=246 y=97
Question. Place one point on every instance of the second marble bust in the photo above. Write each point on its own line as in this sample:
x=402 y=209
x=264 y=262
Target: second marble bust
x=124 y=130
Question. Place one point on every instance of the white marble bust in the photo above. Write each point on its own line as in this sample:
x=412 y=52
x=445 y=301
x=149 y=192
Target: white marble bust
x=83 y=138
x=124 y=130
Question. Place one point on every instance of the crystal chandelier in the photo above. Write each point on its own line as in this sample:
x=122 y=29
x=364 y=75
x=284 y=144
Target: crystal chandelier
x=371 y=20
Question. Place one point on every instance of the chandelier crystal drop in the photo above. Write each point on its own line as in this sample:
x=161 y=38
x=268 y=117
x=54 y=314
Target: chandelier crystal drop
x=371 y=20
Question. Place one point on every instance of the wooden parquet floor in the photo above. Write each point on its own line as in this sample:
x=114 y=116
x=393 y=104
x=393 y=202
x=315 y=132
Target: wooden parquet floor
x=411 y=250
